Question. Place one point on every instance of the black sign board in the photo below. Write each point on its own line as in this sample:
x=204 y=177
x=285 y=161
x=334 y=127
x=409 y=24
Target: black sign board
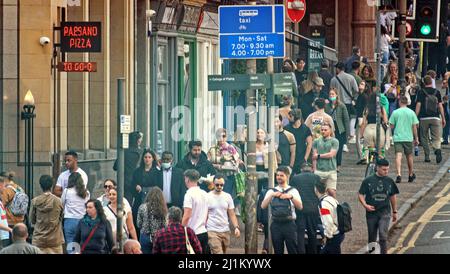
x=81 y=36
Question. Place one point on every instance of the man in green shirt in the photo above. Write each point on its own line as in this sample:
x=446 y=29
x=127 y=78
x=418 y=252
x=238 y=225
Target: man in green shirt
x=324 y=158
x=405 y=122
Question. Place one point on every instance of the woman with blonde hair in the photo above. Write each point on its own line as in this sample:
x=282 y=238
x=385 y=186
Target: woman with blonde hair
x=151 y=218
x=308 y=84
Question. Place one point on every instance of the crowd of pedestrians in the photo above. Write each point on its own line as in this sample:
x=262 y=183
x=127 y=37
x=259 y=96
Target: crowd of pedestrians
x=193 y=205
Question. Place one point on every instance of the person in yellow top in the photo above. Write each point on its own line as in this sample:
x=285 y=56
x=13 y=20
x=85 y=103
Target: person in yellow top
x=7 y=197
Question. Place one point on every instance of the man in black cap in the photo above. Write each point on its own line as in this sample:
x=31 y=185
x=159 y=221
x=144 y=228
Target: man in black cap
x=378 y=195
x=326 y=76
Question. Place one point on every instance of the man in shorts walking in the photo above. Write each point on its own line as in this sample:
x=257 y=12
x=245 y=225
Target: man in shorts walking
x=324 y=158
x=405 y=122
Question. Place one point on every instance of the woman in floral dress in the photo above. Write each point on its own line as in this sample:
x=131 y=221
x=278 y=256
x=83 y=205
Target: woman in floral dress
x=225 y=160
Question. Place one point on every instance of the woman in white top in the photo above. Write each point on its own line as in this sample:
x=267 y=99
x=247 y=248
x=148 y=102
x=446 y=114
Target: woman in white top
x=128 y=231
x=108 y=185
x=74 y=198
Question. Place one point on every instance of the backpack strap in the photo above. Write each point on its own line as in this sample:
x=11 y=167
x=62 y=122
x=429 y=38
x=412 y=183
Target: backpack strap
x=345 y=89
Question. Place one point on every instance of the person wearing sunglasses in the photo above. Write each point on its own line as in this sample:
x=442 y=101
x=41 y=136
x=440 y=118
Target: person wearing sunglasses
x=220 y=211
x=109 y=184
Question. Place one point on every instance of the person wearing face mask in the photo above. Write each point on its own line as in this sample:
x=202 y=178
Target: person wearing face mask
x=172 y=181
x=337 y=110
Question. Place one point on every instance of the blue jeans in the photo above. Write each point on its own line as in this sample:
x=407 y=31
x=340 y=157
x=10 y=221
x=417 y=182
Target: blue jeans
x=385 y=59
x=333 y=245
x=70 y=229
x=146 y=244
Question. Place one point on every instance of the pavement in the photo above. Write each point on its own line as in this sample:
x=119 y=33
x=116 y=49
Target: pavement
x=425 y=230
x=349 y=181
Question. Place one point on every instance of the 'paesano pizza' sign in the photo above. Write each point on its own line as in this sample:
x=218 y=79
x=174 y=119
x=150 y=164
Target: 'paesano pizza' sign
x=81 y=36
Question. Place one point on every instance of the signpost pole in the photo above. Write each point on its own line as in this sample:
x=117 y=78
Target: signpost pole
x=271 y=131
x=120 y=160
x=251 y=244
x=401 y=45
x=379 y=77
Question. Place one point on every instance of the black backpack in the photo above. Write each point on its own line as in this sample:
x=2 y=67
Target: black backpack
x=281 y=209
x=431 y=103
x=344 y=217
x=344 y=214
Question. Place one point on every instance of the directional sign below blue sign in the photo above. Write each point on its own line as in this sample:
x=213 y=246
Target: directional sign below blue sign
x=249 y=32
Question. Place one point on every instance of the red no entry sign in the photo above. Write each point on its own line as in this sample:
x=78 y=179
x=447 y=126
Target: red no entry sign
x=296 y=10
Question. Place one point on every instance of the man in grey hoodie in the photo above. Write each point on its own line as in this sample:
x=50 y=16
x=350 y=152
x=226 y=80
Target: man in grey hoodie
x=46 y=215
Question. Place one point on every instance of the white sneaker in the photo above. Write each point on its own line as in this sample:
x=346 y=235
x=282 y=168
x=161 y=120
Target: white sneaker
x=352 y=140
x=345 y=148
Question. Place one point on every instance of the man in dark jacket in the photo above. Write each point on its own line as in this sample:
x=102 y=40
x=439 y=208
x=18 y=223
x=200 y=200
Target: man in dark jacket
x=326 y=76
x=132 y=156
x=197 y=159
x=172 y=181
x=309 y=217
x=355 y=57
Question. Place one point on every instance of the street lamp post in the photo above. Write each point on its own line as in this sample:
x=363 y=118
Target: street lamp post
x=28 y=115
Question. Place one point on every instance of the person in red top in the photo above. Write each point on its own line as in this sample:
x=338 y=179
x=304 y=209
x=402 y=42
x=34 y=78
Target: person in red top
x=172 y=239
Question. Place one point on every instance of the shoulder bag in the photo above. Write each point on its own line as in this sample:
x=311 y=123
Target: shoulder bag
x=346 y=90
x=189 y=248
x=89 y=238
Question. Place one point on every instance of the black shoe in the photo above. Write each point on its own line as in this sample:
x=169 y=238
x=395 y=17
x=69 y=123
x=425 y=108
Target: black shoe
x=438 y=153
x=412 y=178
x=362 y=162
x=398 y=180
x=427 y=159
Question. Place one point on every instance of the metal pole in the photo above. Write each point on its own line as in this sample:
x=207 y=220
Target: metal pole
x=251 y=239
x=271 y=131
x=425 y=58
x=379 y=77
x=401 y=47
x=27 y=154
x=31 y=194
x=120 y=160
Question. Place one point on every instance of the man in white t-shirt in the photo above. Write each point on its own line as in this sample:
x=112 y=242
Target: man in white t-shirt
x=283 y=227
x=71 y=163
x=220 y=210
x=196 y=208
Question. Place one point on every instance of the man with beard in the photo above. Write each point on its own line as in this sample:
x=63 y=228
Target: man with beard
x=197 y=159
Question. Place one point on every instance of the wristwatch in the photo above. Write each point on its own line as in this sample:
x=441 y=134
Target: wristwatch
x=318 y=156
x=395 y=211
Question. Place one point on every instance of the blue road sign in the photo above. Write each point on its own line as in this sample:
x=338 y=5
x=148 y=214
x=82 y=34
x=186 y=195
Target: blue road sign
x=250 y=32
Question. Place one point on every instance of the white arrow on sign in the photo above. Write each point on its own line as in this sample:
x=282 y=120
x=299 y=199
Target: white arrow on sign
x=438 y=235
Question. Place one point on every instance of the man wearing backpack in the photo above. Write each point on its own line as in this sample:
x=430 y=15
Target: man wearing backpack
x=329 y=216
x=14 y=199
x=378 y=195
x=431 y=114
x=308 y=219
x=283 y=201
